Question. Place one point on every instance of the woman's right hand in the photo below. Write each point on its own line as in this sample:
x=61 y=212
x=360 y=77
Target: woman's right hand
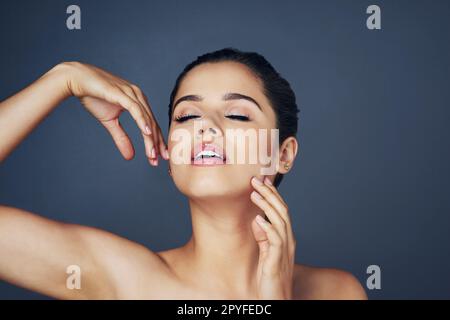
x=106 y=96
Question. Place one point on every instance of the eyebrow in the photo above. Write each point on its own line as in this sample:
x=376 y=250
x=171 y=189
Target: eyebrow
x=226 y=97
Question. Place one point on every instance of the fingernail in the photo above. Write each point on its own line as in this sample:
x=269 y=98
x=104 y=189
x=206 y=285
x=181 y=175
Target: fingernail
x=153 y=153
x=147 y=129
x=256 y=195
x=260 y=219
x=267 y=180
x=257 y=181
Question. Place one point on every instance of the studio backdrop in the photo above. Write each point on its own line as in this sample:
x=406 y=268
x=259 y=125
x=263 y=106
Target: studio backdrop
x=369 y=191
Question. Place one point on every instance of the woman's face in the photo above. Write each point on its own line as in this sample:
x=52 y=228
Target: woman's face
x=213 y=102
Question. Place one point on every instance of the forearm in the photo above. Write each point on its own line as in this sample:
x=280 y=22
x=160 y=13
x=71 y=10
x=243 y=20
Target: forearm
x=22 y=112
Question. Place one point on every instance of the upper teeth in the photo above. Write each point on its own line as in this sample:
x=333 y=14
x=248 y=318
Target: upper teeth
x=207 y=153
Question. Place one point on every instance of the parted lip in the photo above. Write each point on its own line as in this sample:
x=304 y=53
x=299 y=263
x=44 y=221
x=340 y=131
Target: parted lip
x=204 y=148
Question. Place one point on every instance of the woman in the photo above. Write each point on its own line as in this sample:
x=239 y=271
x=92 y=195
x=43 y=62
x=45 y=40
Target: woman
x=234 y=253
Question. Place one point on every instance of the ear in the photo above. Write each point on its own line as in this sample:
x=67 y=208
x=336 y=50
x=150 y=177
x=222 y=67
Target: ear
x=288 y=152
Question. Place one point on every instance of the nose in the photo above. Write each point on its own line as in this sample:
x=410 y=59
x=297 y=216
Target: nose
x=201 y=131
x=210 y=133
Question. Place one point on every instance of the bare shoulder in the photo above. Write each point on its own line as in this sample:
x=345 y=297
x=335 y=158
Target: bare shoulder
x=326 y=284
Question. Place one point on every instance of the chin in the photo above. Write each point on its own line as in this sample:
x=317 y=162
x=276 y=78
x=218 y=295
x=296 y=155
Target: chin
x=212 y=183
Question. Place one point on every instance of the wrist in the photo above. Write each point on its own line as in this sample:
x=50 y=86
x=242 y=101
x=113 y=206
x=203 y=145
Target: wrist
x=61 y=75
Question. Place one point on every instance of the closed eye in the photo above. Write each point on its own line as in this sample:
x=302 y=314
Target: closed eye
x=238 y=117
x=186 y=117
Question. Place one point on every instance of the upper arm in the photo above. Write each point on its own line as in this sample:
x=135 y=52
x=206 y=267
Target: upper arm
x=36 y=253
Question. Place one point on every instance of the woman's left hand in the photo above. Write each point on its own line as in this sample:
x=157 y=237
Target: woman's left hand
x=276 y=243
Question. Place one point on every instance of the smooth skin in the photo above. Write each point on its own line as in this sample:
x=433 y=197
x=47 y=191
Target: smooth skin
x=232 y=254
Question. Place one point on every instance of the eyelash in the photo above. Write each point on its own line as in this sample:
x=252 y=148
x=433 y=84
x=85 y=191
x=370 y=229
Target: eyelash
x=186 y=117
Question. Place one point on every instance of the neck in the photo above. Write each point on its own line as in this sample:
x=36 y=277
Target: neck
x=222 y=245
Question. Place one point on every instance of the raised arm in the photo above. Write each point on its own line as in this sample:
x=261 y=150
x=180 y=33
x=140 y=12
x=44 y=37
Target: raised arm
x=104 y=95
x=36 y=252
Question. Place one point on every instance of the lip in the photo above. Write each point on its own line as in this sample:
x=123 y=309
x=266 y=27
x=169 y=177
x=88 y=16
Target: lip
x=206 y=162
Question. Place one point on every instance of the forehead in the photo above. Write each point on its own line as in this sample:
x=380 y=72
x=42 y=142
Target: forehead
x=220 y=77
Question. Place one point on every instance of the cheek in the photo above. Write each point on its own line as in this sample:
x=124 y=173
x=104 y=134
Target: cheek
x=254 y=146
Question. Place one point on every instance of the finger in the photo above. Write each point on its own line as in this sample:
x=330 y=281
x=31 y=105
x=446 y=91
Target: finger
x=272 y=198
x=135 y=93
x=154 y=160
x=284 y=212
x=261 y=238
x=155 y=144
x=274 y=255
x=160 y=145
x=119 y=97
x=270 y=194
x=271 y=213
x=282 y=208
x=149 y=149
x=120 y=138
x=258 y=232
x=129 y=91
x=163 y=149
x=269 y=184
x=150 y=140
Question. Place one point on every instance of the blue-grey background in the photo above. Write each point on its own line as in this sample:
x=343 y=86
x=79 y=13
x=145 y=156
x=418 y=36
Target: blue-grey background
x=371 y=183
